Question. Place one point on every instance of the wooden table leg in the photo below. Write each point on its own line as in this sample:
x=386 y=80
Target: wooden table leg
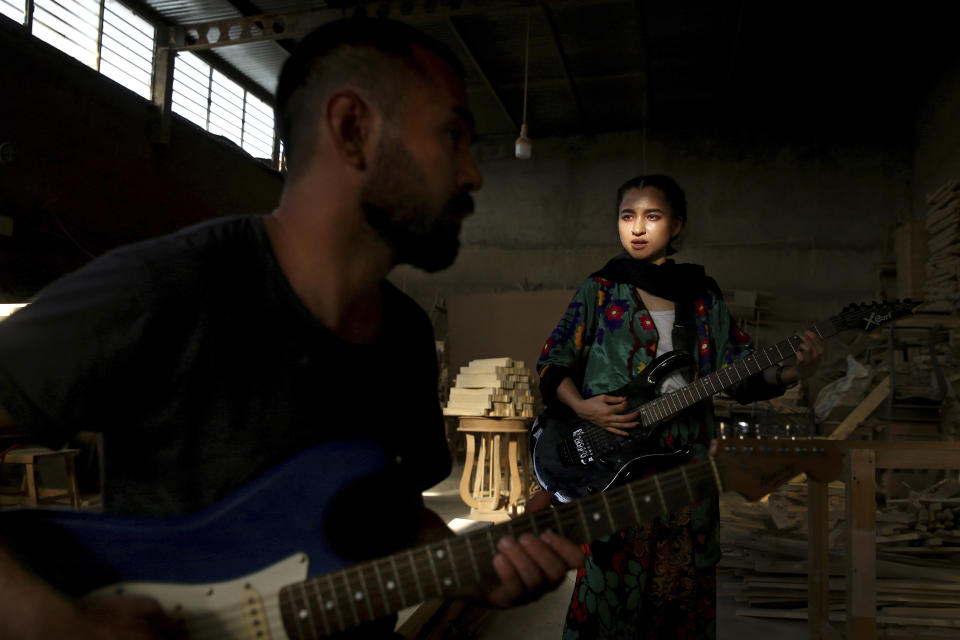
x=818 y=574
x=496 y=472
x=465 y=493
x=861 y=480
x=72 y=488
x=515 y=480
x=31 y=478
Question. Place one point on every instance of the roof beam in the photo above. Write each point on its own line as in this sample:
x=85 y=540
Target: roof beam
x=555 y=33
x=483 y=75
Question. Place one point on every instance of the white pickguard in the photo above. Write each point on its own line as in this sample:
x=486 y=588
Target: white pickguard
x=243 y=608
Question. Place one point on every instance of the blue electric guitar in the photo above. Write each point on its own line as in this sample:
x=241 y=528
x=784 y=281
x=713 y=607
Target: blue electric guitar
x=573 y=457
x=257 y=565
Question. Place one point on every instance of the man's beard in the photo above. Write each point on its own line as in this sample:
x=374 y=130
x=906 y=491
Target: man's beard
x=396 y=207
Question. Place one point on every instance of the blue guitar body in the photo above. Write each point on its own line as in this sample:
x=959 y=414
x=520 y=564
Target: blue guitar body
x=286 y=511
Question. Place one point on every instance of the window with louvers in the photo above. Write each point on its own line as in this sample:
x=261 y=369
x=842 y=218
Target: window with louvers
x=72 y=26
x=14 y=9
x=126 y=49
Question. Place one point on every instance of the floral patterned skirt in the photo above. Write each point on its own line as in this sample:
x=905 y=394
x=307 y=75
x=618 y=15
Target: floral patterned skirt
x=643 y=582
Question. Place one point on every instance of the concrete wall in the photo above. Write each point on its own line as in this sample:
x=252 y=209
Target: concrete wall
x=803 y=222
x=90 y=173
x=937 y=145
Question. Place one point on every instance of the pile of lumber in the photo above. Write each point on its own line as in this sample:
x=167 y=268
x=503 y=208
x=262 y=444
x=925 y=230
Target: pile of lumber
x=493 y=387
x=943 y=249
x=918 y=557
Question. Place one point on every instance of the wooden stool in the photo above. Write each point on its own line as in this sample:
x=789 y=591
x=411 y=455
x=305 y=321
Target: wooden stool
x=29 y=493
x=496 y=473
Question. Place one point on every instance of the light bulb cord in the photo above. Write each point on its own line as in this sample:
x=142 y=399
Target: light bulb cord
x=526 y=72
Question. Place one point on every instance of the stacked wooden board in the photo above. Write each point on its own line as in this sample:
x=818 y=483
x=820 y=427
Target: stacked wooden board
x=492 y=387
x=943 y=248
x=918 y=558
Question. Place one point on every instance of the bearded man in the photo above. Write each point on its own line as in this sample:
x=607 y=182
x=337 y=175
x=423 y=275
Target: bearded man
x=211 y=355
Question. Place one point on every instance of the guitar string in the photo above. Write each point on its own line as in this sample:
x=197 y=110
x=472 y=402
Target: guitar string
x=670 y=481
x=617 y=499
x=844 y=317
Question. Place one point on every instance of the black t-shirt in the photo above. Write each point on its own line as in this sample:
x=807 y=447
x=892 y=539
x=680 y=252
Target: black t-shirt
x=202 y=368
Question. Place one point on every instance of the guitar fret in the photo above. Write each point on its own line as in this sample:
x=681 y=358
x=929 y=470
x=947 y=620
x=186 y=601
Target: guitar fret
x=663 y=503
x=712 y=385
x=606 y=506
x=817 y=329
x=364 y=593
x=353 y=605
x=302 y=612
x=633 y=502
x=319 y=605
x=433 y=568
x=387 y=605
x=334 y=603
x=416 y=577
x=396 y=580
x=473 y=558
x=777 y=346
x=453 y=566
x=493 y=546
x=770 y=362
x=583 y=518
x=686 y=481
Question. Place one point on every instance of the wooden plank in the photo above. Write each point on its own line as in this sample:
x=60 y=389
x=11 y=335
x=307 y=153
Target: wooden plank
x=818 y=579
x=860 y=471
x=862 y=411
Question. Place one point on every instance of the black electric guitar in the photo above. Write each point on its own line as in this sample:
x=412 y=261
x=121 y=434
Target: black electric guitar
x=258 y=564
x=573 y=457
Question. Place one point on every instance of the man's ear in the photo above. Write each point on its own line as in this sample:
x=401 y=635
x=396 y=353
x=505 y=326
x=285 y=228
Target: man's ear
x=350 y=123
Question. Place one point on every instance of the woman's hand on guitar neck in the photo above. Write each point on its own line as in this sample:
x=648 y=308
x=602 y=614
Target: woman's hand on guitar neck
x=605 y=412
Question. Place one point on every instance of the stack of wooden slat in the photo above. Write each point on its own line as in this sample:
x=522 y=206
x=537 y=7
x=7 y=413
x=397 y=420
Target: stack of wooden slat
x=918 y=557
x=943 y=249
x=494 y=387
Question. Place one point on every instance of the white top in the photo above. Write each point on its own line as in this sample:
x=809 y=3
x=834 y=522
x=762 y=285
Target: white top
x=664 y=323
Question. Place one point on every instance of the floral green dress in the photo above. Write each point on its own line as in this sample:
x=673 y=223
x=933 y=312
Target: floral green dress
x=656 y=579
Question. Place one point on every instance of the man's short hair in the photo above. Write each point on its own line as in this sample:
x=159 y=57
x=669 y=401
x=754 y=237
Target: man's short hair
x=352 y=50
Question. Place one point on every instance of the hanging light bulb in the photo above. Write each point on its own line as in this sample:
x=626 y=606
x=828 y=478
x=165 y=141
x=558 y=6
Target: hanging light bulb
x=523 y=147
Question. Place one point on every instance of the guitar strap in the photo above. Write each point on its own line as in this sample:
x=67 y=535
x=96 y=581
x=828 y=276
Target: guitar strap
x=684 y=332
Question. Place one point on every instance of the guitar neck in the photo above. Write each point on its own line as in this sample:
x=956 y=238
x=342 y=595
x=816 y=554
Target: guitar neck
x=671 y=404
x=340 y=600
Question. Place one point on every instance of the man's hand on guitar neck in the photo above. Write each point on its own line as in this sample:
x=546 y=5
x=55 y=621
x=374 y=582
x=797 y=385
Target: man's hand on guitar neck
x=526 y=568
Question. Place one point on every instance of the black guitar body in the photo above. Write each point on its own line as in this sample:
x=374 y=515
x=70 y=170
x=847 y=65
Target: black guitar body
x=573 y=458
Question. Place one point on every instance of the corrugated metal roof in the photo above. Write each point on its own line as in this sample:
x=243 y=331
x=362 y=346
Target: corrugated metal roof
x=601 y=65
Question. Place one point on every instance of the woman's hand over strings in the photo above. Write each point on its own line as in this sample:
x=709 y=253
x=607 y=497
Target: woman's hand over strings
x=606 y=412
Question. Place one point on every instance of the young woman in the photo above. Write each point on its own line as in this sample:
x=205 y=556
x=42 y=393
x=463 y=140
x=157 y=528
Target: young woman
x=656 y=579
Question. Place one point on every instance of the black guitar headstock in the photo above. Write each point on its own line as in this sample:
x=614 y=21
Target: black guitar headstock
x=869 y=315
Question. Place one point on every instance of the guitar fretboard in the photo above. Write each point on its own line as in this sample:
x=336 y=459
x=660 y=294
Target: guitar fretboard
x=670 y=404
x=337 y=601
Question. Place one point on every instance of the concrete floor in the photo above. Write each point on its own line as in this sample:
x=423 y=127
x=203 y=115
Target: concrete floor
x=543 y=620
